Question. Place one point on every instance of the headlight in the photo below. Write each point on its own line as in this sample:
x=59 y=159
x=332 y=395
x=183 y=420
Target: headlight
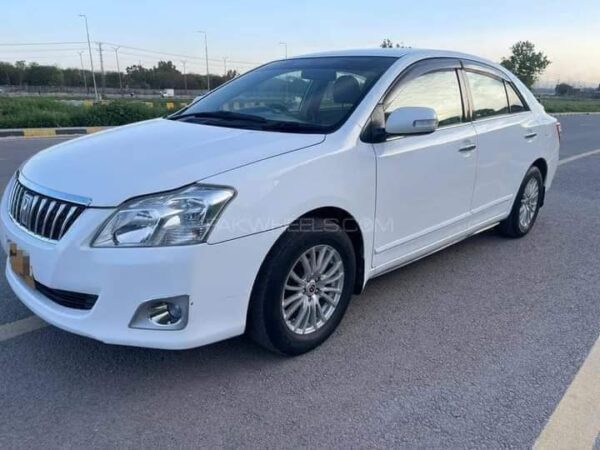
x=179 y=217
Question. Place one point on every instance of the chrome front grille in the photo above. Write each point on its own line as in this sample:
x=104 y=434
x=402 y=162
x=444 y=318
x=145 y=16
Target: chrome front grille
x=41 y=215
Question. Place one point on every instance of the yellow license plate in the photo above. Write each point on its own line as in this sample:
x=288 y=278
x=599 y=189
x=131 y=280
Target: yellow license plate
x=20 y=264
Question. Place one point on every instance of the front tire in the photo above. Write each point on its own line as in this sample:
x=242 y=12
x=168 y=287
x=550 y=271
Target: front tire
x=526 y=206
x=303 y=288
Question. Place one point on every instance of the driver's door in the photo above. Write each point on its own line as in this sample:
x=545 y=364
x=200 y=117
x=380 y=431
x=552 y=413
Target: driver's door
x=425 y=182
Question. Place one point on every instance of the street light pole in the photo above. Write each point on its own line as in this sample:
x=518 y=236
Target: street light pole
x=286 y=48
x=83 y=72
x=119 y=70
x=184 y=75
x=87 y=31
x=206 y=54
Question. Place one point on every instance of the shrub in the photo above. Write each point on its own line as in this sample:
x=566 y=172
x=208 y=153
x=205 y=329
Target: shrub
x=47 y=112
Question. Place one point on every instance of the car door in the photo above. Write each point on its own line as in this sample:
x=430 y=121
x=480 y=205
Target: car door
x=506 y=141
x=424 y=182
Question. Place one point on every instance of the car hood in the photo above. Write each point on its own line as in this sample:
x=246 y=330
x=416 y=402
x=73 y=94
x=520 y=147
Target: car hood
x=157 y=155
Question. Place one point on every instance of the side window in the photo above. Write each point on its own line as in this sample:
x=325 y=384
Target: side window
x=514 y=101
x=489 y=95
x=437 y=90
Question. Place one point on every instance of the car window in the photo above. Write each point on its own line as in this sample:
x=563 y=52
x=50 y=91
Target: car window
x=489 y=95
x=437 y=90
x=514 y=101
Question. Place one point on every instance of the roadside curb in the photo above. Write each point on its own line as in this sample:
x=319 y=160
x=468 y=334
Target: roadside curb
x=49 y=132
x=575 y=114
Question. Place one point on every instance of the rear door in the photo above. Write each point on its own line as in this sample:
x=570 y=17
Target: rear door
x=506 y=141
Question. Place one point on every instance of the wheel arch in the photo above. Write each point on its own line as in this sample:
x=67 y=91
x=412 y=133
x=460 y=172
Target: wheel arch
x=542 y=165
x=352 y=228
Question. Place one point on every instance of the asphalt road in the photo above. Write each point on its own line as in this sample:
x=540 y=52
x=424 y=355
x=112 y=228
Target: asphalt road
x=472 y=347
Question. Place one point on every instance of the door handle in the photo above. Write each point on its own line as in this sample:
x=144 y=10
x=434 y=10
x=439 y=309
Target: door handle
x=467 y=148
x=531 y=135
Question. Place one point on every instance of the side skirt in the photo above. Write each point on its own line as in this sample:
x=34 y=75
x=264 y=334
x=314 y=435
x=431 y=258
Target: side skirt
x=404 y=261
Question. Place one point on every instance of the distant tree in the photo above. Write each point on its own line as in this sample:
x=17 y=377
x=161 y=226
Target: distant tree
x=231 y=74
x=563 y=89
x=525 y=62
x=387 y=43
x=38 y=75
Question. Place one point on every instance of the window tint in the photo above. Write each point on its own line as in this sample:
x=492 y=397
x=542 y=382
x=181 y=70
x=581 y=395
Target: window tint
x=437 y=90
x=303 y=95
x=489 y=95
x=514 y=101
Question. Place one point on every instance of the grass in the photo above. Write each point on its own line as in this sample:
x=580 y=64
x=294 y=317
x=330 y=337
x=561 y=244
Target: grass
x=44 y=112
x=566 y=105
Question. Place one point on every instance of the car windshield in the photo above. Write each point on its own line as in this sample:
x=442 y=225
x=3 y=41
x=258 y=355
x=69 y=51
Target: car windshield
x=303 y=95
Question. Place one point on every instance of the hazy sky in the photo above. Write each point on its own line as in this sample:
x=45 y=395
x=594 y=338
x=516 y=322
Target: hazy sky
x=250 y=31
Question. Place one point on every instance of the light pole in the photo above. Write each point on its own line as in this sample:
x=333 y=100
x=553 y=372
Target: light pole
x=184 y=75
x=87 y=32
x=206 y=54
x=83 y=72
x=119 y=70
x=286 y=48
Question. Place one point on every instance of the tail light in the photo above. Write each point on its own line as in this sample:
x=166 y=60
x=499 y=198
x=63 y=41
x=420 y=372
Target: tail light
x=559 y=130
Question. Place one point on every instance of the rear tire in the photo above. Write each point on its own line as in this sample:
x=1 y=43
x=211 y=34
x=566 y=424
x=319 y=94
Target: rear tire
x=296 y=302
x=526 y=206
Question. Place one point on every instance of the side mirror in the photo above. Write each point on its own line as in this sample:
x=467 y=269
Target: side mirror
x=411 y=120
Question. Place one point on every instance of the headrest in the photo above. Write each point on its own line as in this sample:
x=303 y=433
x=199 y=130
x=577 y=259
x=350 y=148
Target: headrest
x=346 y=89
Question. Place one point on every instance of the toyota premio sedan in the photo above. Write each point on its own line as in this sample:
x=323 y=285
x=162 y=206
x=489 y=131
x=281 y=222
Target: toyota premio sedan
x=263 y=206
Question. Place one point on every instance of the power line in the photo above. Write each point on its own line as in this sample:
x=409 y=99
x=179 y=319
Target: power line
x=17 y=44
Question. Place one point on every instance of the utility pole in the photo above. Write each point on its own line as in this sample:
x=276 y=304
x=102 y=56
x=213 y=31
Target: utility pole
x=102 y=68
x=83 y=72
x=119 y=70
x=225 y=65
x=206 y=55
x=286 y=48
x=87 y=31
x=184 y=75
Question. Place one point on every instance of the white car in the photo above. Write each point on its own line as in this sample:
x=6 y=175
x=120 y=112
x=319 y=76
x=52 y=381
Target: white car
x=267 y=203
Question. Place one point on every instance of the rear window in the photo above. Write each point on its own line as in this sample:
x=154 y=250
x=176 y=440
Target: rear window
x=489 y=95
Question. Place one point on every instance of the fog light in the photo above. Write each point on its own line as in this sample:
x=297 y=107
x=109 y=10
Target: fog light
x=162 y=314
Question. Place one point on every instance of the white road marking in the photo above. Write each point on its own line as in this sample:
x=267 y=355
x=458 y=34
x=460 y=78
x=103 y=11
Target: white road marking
x=575 y=423
x=576 y=157
x=23 y=326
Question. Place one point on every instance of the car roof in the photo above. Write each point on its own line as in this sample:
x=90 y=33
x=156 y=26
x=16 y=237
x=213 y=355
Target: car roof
x=399 y=52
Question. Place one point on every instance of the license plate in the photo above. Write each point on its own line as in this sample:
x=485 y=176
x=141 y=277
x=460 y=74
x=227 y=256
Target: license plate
x=20 y=264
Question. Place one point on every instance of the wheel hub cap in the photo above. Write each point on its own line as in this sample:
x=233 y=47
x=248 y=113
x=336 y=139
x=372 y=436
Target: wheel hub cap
x=529 y=203
x=313 y=289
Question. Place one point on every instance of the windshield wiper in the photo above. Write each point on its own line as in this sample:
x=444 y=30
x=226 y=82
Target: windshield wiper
x=292 y=127
x=221 y=115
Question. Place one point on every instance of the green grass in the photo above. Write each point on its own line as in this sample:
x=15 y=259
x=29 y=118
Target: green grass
x=565 y=105
x=44 y=112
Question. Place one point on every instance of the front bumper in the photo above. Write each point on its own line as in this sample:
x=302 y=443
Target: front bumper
x=218 y=279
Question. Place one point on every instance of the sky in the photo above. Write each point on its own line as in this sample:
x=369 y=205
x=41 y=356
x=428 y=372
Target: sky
x=249 y=32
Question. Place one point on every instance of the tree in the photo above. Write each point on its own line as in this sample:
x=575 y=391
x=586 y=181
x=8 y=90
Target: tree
x=387 y=43
x=525 y=62
x=563 y=89
x=38 y=75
